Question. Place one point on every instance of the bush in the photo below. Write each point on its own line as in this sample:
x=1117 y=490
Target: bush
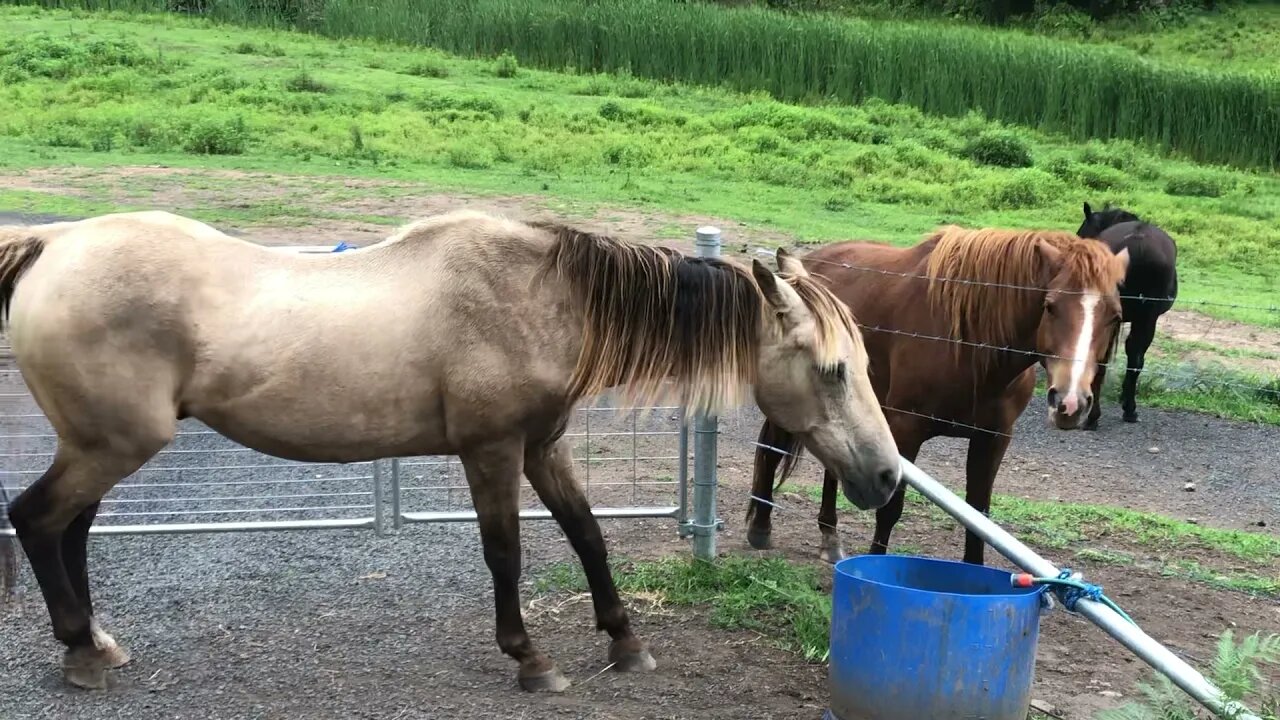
x=1020 y=190
x=470 y=156
x=506 y=66
x=304 y=82
x=1001 y=149
x=217 y=136
x=428 y=69
x=1197 y=184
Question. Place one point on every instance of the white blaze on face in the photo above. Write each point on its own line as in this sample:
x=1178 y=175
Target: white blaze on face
x=1081 y=356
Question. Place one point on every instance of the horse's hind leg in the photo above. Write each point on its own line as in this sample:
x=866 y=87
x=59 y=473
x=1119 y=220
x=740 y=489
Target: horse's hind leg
x=493 y=473
x=75 y=552
x=759 y=506
x=1141 y=333
x=52 y=519
x=550 y=472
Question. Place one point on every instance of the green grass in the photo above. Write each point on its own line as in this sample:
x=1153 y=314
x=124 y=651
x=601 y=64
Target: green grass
x=1058 y=86
x=1236 y=35
x=769 y=596
x=188 y=93
x=1063 y=526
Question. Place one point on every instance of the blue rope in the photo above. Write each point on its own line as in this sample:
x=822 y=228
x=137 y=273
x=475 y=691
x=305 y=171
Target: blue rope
x=1070 y=592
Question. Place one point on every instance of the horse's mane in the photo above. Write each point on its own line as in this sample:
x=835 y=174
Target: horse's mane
x=1109 y=216
x=981 y=280
x=652 y=313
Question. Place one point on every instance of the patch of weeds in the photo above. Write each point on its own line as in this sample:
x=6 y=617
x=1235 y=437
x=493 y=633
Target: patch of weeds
x=1000 y=149
x=506 y=66
x=1237 y=671
x=471 y=156
x=1197 y=184
x=217 y=136
x=767 y=595
x=304 y=82
x=1236 y=580
x=266 y=49
x=428 y=69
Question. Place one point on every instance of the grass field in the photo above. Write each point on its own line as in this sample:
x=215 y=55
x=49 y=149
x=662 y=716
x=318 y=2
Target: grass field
x=1234 y=35
x=1086 y=92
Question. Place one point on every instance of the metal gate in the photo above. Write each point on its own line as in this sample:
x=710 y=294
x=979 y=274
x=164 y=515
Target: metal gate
x=631 y=462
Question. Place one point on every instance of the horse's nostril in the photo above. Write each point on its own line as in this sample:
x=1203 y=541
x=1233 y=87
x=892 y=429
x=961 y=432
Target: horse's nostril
x=1053 y=397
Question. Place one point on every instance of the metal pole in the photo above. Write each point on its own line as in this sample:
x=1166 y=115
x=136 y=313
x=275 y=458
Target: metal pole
x=397 y=519
x=682 y=475
x=379 y=505
x=1129 y=635
x=705 y=432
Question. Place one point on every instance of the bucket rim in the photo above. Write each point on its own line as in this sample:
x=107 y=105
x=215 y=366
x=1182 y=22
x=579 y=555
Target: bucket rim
x=1014 y=592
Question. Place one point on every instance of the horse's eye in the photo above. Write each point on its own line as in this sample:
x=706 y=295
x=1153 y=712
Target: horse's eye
x=1051 y=308
x=838 y=372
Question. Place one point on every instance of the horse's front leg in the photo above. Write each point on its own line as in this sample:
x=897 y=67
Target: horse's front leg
x=1141 y=334
x=550 y=472
x=493 y=473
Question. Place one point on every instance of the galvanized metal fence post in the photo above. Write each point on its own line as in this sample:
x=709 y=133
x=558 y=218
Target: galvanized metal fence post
x=706 y=429
x=379 y=503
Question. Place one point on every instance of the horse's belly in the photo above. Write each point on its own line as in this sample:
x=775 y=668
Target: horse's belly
x=333 y=424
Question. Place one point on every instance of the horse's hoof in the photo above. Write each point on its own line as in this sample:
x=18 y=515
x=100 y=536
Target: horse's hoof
x=86 y=668
x=1131 y=417
x=548 y=681
x=631 y=656
x=831 y=555
x=1089 y=424
x=760 y=539
x=108 y=649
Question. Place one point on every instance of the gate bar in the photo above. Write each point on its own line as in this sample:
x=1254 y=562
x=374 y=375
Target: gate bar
x=542 y=514
x=1129 y=635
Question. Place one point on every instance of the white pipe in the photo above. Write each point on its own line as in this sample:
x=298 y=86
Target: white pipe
x=1129 y=635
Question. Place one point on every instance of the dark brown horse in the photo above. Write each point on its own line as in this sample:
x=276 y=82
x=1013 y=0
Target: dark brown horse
x=1011 y=299
x=1150 y=287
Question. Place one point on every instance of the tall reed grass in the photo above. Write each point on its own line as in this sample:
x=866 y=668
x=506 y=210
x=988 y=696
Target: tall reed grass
x=1082 y=91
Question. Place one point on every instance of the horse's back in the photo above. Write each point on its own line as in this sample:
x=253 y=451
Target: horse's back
x=1152 y=269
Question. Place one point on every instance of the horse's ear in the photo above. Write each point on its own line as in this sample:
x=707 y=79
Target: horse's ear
x=1051 y=255
x=778 y=293
x=790 y=264
x=1088 y=211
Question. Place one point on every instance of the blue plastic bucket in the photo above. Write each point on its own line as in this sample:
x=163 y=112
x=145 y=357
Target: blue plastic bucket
x=916 y=638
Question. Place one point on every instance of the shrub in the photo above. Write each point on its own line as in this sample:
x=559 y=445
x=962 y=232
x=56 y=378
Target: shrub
x=428 y=69
x=216 y=136
x=1002 y=149
x=303 y=82
x=1020 y=190
x=1197 y=184
x=470 y=156
x=506 y=66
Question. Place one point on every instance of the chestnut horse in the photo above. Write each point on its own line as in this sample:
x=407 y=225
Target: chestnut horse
x=462 y=334
x=1149 y=290
x=1011 y=298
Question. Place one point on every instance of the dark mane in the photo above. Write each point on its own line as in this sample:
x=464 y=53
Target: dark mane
x=651 y=313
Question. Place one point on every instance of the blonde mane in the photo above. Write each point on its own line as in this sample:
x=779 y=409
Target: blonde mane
x=652 y=314
x=982 y=280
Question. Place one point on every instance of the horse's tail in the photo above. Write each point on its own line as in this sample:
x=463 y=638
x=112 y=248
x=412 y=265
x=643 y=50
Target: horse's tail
x=18 y=252
x=8 y=555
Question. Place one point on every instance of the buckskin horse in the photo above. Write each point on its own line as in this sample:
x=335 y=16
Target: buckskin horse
x=461 y=334
x=1149 y=290
x=954 y=328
